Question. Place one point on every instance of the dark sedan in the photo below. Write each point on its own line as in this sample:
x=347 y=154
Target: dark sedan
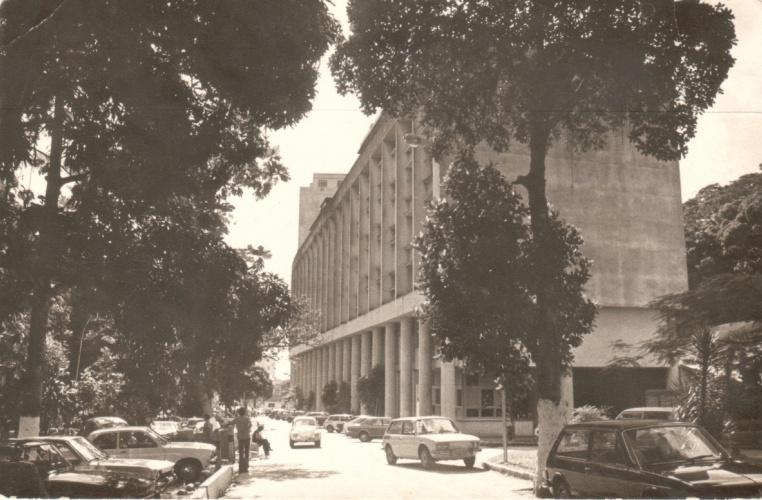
x=36 y=469
x=646 y=459
x=84 y=455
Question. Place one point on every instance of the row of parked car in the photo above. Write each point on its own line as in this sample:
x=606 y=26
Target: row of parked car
x=113 y=460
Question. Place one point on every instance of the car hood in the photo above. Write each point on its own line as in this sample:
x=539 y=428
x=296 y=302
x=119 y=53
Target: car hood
x=96 y=478
x=130 y=464
x=189 y=445
x=450 y=438
x=713 y=474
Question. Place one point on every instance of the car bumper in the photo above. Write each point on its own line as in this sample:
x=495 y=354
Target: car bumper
x=453 y=454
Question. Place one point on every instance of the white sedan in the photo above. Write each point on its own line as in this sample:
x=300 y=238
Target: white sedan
x=304 y=430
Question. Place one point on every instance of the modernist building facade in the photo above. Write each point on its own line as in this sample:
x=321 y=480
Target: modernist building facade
x=357 y=267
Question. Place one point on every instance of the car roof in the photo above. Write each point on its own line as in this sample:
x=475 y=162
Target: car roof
x=302 y=418
x=420 y=417
x=341 y=415
x=123 y=429
x=665 y=409
x=627 y=424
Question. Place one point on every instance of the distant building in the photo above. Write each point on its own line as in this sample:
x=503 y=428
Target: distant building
x=357 y=267
x=311 y=198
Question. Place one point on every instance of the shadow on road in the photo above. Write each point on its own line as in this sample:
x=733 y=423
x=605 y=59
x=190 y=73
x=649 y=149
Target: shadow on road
x=281 y=472
x=440 y=468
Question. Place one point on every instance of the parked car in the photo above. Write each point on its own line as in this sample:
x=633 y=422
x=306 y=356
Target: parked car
x=191 y=429
x=84 y=455
x=367 y=428
x=645 y=459
x=320 y=416
x=648 y=413
x=95 y=423
x=166 y=428
x=36 y=469
x=190 y=459
x=336 y=422
x=428 y=439
x=304 y=430
x=355 y=420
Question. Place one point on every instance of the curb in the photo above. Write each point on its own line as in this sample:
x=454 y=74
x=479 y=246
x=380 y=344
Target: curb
x=215 y=486
x=509 y=471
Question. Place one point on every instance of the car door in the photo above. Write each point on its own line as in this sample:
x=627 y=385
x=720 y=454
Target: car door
x=140 y=444
x=608 y=473
x=377 y=427
x=394 y=437
x=409 y=441
x=108 y=442
x=570 y=458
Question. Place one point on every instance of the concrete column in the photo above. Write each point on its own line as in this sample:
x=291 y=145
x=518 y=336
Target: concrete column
x=338 y=354
x=377 y=354
x=319 y=378
x=424 y=369
x=355 y=371
x=406 y=367
x=448 y=390
x=390 y=370
x=331 y=361
x=346 y=360
x=365 y=353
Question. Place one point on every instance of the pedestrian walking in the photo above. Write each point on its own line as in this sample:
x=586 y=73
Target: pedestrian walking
x=243 y=426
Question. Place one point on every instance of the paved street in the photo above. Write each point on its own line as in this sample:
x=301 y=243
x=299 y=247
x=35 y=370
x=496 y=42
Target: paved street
x=347 y=468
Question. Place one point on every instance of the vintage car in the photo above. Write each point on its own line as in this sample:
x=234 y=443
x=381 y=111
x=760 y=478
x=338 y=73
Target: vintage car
x=84 y=455
x=645 y=459
x=95 y=423
x=648 y=413
x=304 y=430
x=320 y=416
x=37 y=469
x=167 y=428
x=428 y=439
x=336 y=422
x=190 y=458
x=367 y=428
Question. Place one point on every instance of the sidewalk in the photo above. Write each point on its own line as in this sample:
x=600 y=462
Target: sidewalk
x=520 y=464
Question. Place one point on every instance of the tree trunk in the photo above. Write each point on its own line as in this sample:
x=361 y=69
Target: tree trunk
x=31 y=397
x=553 y=411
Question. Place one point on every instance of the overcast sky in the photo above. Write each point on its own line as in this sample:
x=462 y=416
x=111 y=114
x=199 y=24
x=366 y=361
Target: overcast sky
x=728 y=144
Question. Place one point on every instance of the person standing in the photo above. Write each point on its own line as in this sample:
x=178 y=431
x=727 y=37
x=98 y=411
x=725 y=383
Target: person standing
x=207 y=429
x=243 y=426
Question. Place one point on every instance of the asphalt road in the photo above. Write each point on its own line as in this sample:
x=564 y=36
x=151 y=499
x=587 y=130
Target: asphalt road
x=347 y=468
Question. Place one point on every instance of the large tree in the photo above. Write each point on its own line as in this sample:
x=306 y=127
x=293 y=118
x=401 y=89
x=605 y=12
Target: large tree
x=135 y=103
x=480 y=279
x=518 y=70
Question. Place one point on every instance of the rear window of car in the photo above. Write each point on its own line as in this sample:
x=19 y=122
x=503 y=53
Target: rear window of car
x=573 y=444
x=105 y=441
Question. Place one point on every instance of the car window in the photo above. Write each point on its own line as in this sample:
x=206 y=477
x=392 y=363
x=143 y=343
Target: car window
x=68 y=453
x=106 y=441
x=573 y=444
x=136 y=439
x=656 y=415
x=671 y=444
x=605 y=448
x=407 y=427
x=631 y=415
x=395 y=428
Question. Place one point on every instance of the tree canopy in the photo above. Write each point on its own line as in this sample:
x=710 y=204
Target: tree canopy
x=479 y=275
x=524 y=71
x=141 y=115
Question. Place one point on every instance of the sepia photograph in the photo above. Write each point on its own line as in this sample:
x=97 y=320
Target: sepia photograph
x=380 y=249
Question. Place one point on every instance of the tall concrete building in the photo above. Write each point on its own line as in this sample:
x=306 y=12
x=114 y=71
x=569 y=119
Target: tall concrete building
x=311 y=198
x=357 y=267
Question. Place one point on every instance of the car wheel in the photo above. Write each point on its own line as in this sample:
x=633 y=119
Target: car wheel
x=317 y=444
x=470 y=461
x=391 y=458
x=291 y=443
x=427 y=461
x=561 y=489
x=187 y=470
x=364 y=437
x=329 y=428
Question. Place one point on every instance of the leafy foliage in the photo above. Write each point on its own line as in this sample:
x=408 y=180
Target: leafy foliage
x=371 y=389
x=479 y=275
x=590 y=413
x=330 y=397
x=152 y=115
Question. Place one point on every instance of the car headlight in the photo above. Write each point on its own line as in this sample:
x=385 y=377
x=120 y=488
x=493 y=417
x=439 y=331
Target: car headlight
x=443 y=446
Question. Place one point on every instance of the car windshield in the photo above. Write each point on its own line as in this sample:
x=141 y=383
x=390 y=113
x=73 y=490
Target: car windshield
x=164 y=426
x=158 y=437
x=658 y=445
x=435 y=426
x=305 y=422
x=87 y=450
